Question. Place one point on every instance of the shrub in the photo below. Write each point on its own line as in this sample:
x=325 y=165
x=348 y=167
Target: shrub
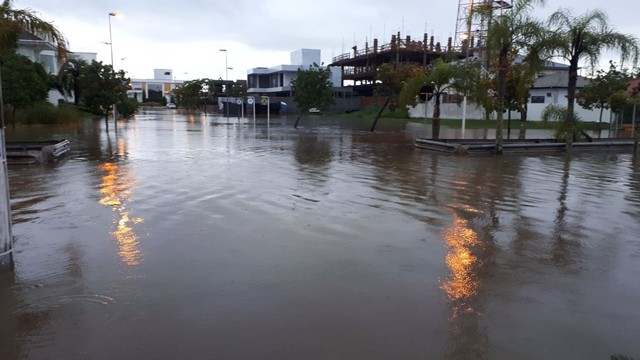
x=127 y=107
x=559 y=114
x=46 y=113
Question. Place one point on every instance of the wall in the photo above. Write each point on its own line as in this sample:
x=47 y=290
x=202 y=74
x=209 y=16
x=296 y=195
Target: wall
x=454 y=111
x=305 y=57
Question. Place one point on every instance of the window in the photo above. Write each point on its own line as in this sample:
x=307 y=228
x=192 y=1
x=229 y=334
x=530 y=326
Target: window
x=549 y=95
x=537 y=99
x=167 y=73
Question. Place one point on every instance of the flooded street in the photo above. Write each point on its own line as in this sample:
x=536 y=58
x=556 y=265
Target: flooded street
x=184 y=237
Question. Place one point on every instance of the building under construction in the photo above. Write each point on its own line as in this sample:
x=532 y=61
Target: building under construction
x=360 y=67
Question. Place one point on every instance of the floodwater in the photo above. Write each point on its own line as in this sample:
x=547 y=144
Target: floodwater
x=184 y=237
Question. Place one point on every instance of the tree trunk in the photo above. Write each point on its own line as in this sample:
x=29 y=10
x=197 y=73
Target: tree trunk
x=509 y=125
x=636 y=139
x=571 y=96
x=295 y=126
x=524 y=112
x=502 y=88
x=373 y=126
x=600 y=119
x=435 y=124
x=634 y=129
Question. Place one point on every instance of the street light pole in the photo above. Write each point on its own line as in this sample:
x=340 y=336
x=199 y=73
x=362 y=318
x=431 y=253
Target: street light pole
x=6 y=237
x=113 y=72
x=226 y=79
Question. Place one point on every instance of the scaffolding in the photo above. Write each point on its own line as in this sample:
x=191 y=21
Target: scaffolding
x=471 y=30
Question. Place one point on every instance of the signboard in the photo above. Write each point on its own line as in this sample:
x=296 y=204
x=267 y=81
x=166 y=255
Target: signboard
x=250 y=100
x=239 y=101
x=264 y=101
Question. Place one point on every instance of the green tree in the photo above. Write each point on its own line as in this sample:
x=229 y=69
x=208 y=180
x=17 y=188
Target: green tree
x=585 y=37
x=390 y=80
x=619 y=102
x=440 y=78
x=634 y=98
x=127 y=107
x=24 y=83
x=102 y=87
x=193 y=94
x=509 y=32
x=312 y=88
x=69 y=79
x=16 y=21
x=471 y=82
x=597 y=94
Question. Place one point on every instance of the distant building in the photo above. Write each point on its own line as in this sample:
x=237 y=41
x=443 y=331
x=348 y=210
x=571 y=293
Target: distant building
x=160 y=87
x=275 y=81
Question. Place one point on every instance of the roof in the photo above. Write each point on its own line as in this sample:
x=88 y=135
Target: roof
x=33 y=41
x=558 y=79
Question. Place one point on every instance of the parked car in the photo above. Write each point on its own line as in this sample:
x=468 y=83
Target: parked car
x=171 y=106
x=314 y=110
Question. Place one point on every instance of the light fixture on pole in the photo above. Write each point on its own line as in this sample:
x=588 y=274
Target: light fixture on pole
x=114 y=14
x=226 y=79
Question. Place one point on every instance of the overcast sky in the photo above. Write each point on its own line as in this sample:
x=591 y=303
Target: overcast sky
x=186 y=35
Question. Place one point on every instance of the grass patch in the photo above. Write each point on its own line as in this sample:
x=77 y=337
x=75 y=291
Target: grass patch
x=46 y=113
x=371 y=112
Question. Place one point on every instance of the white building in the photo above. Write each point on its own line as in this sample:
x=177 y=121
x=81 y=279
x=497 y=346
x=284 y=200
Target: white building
x=44 y=52
x=549 y=88
x=276 y=81
x=161 y=86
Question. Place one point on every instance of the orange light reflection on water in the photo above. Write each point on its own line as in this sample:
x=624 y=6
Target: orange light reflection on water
x=116 y=188
x=462 y=282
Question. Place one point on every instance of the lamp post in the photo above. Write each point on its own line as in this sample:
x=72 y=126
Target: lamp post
x=6 y=237
x=226 y=79
x=114 y=14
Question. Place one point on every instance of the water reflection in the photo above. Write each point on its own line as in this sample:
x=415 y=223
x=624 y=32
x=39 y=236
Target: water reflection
x=564 y=249
x=117 y=188
x=460 y=260
x=313 y=157
x=467 y=337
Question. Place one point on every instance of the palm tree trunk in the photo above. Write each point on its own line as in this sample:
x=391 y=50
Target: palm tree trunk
x=502 y=88
x=435 y=125
x=634 y=130
x=373 y=126
x=571 y=96
x=509 y=125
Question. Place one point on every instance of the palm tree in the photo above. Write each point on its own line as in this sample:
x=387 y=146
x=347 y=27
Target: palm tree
x=69 y=76
x=16 y=21
x=584 y=38
x=509 y=32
